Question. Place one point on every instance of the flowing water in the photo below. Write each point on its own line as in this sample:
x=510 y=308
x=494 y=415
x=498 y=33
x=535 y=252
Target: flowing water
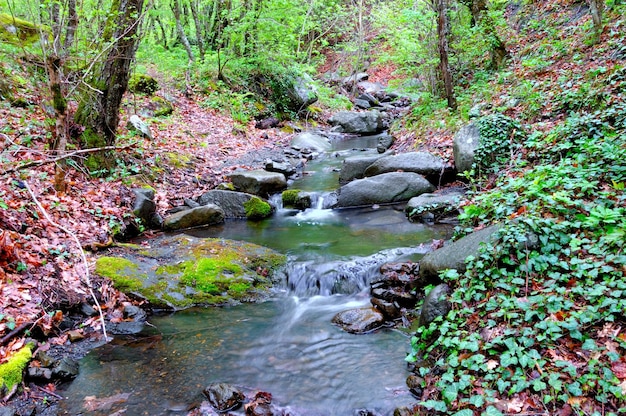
x=286 y=346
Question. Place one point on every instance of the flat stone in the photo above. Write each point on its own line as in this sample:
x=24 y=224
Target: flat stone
x=359 y=321
x=205 y=215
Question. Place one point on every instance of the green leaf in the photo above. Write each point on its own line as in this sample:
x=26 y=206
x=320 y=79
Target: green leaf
x=437 y=405
x=464 y=412
x=492 y=411
x=450 y=393
x=477 y=401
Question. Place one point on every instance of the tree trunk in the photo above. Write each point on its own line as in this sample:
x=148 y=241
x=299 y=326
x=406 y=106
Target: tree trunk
x=596 y=7
x=99 y=112
x=58 y=141
x=441 y=8
x=198 y=25
x=180 y=30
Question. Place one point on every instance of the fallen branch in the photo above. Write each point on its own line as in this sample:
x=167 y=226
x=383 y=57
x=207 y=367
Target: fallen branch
x=82 y=254
x=66 y=156
x=16 y=331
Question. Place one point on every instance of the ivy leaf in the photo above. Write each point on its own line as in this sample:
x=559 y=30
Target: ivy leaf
x=492 y=411
x=450 y=393
x=464 y=412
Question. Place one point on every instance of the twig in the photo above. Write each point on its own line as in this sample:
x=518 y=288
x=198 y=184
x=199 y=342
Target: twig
x=65 y=156
x=15 y=332
x=82 y=254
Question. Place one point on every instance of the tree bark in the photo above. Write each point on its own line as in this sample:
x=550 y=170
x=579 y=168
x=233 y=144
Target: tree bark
x=596 y=7
x=441 y=7
x=198 y=25
x=180 y=30
x=99 y=112
x=60 y=131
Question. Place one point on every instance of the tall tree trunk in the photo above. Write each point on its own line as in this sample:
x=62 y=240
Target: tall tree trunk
x=180 y=30
x=441 y=7
x=60 y=131
x=99 y=112
x=198 y=25
x=596 y=7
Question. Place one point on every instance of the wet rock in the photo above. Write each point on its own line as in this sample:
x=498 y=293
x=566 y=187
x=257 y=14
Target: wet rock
x=75 y=335
x=88 y=310
x=285 y=168
x=367 y=122
x=358 y=103
x=415 y=383
x=384 y=143
x=382 y=189
x=366 y=412
x=7 y=410
x=435 y=304
x=359 y=321
x=390 y=310
x=395 y=295
x=355 y=78
x=258 y=182
x=65 y=369
x=465 y=143
x=431 y=166
x=39 y=373
x=261 y=405
x=224 y=397
x=453 y=255
x=308 y=140
x=403 y=411
x=231 y=202
x=205 y=215
x=431 y=207
x=133 y=323
x=353 y=167
x=144 y=207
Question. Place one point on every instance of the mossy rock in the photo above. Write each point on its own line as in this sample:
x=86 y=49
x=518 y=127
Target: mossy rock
x=177 y=160
x=183 y=271
x=143 y=84
x=290 y=196
x=257 y=209
x=20 y=32
x=12 y=371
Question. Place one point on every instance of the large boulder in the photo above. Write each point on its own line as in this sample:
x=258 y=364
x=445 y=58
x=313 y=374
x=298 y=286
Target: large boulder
x=258 y=182
x=367 y=122
x=181 y=271
x=382 y=189
x=231 y=202
x=359 y=321
x=466 y=141
x=312 y=141
x=205 y=215
x=453 y=255
x=354 y=167
x=301 y=93
x=423 y=163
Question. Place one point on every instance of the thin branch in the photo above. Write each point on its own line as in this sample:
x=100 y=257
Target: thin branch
x=82 y=254
x=65 y=156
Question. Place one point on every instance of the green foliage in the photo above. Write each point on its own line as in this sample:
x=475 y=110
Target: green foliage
x=553 y=283
x=500 y=140
x=257 y=209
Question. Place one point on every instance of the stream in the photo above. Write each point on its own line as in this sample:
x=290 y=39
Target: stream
x=286 y=346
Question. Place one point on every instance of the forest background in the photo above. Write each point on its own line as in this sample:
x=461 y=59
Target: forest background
x=551 y=71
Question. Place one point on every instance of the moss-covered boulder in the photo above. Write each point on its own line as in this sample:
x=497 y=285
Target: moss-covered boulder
x=12 y=371
x=257 y=209
x=183 y=271
x=143 y=84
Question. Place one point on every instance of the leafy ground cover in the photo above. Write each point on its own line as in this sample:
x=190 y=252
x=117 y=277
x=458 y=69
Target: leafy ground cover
x=539 y=327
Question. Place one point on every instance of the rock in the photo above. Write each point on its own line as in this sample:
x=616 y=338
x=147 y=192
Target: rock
x=133 y=322
x=382 y=189
x=209 y=214
x=262 y=405
x=135 y=123
x=366 y=412
x=231 y=202
x=191 y=203
x=415 y=383
x=367 y=122
x=403 y=411
x=359 y=321
x=156 y=107
x=384 y=143
x=257 y=208
x=453 y=255
x=301 y=93
x=363 y=104
x=371 y=87
x=466 y=141
x=426 y=164
x=390 y=310
x=143 y=84
x=192 y=271
x=396 y=295
x=369 y=98
x=144 y=208
x=75 y=335
x=258 y=182
x=434 y=204
x=65 y=369
x=88 y=310
x=39 y=373
x=224 y=397
x=267 y=123
x=308 y=140
x=353 y=167
x=285 y=168
x=435 y=304
x=354 y=78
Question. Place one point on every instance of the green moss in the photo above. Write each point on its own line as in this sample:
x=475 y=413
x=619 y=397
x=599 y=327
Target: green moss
x=177 y=160
x=211 y=275
x=12 y=371
x=290 y=197
x=118 y=270
x=161 y=107
x=256 y=208
x=144 y=84
x=20 y=32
